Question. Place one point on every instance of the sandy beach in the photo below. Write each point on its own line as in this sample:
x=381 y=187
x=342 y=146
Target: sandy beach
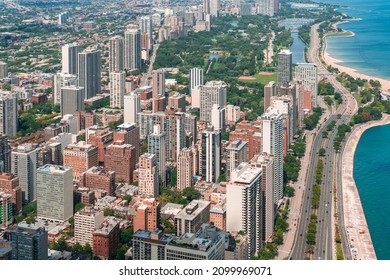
x=359 y=238
x=350 y=71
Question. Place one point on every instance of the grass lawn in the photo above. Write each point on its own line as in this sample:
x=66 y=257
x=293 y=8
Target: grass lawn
x=264 y=79
x=358 y=98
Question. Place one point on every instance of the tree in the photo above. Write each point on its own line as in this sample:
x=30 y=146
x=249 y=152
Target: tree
x=289 y=191
x=109 y=212
x=173 y=180
x=121 y=252
x=322 y=152
x=126 y=235
x=6 y=87
x=77 y=248
x=278 y=237
x=128 y=198
x=87 y=249
x=78 y=207
x=191 y=193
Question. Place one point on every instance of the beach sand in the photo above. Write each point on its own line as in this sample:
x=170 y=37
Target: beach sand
x=353 y=72
x=359 y=238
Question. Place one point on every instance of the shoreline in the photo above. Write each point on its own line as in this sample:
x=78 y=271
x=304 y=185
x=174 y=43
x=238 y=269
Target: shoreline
x=358 y=233
x=336 y=63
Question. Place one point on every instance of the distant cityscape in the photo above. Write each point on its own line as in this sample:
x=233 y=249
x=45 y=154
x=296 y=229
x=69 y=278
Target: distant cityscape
x=107 y=154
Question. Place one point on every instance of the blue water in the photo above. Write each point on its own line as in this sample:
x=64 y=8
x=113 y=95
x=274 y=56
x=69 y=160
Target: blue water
x=371 y=173
x=369 y=50
x=297 y=49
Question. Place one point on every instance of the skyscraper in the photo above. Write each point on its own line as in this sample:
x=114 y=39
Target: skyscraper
x=70 y=58
x=29 y=242
x=237 y=152
x=213 y=92
x=268 y=211
x=3 y=70
x=158 y=87
x=218 y=117
x=132 y=106
x=268 y=7
x=62 y=80
x=54 y=192
x=185 y=169
x=145 y=26
x=307 y=73
x=273 y=145
x=211 y=154
x=24 y=165
x=156 y=145
x=196 y=78
x=72 y=100
x=6 y=210
x=269 y=91
x=206 y=6
x=132 y=52
x=117 y=89
x=148 y=175
x=284 y=67
x=9 y=114
x=89 y=72
x=5 y=154
x=116 y=54
x=215 y=6
x=244 y=210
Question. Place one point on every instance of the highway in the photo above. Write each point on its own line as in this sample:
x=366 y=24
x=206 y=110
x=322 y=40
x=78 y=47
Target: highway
x=324 y=247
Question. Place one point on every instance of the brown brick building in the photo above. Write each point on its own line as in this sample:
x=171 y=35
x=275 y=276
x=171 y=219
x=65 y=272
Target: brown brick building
x=100 y=137
x=98 y=178
x=80 y=157
x=121 y=158
x=10 y=184
x=106 y=238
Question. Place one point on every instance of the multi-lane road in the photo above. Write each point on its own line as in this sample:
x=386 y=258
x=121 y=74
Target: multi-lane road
x=324 y=247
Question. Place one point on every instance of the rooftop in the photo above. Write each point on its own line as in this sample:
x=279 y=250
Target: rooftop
x=192 y=209
x=51 y=168
x=246 y=173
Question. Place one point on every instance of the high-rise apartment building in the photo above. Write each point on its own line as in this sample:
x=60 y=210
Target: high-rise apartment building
x=244 y=207
x=215 y=7
x=132 y=52
x=29 y=242
x=148 y=176
x=213 y=92
x=191 y=217
x=266 y=163
x=211 y=154
x=284 y=67
x=80 y=157
x=129 y=134
x=147 y=212
x=232 y=114
x=99 y=178
x=5 y=154
x=158 y=83
x=121 y=158
x=236 y=153
x=3 y=70
x=185 y=169
x=6 y=210
x=100 y=137
x=86 y=221
x=72 y=100
x=70 y=58
x=61 y=80
x=10 y=184
x=269 y=91
x=273 y=145
x=218 y=117
x=117 y=59
x=24 y=165
x=9 y=114
x=54 y=193
x=196 y=80
x=157 y=146
x=89 y=71
x=117 y=89
x=145 y=26
x=268 y=7
x=132 y=106
x=308 y=74
x=284 y=105
x=106 y=238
